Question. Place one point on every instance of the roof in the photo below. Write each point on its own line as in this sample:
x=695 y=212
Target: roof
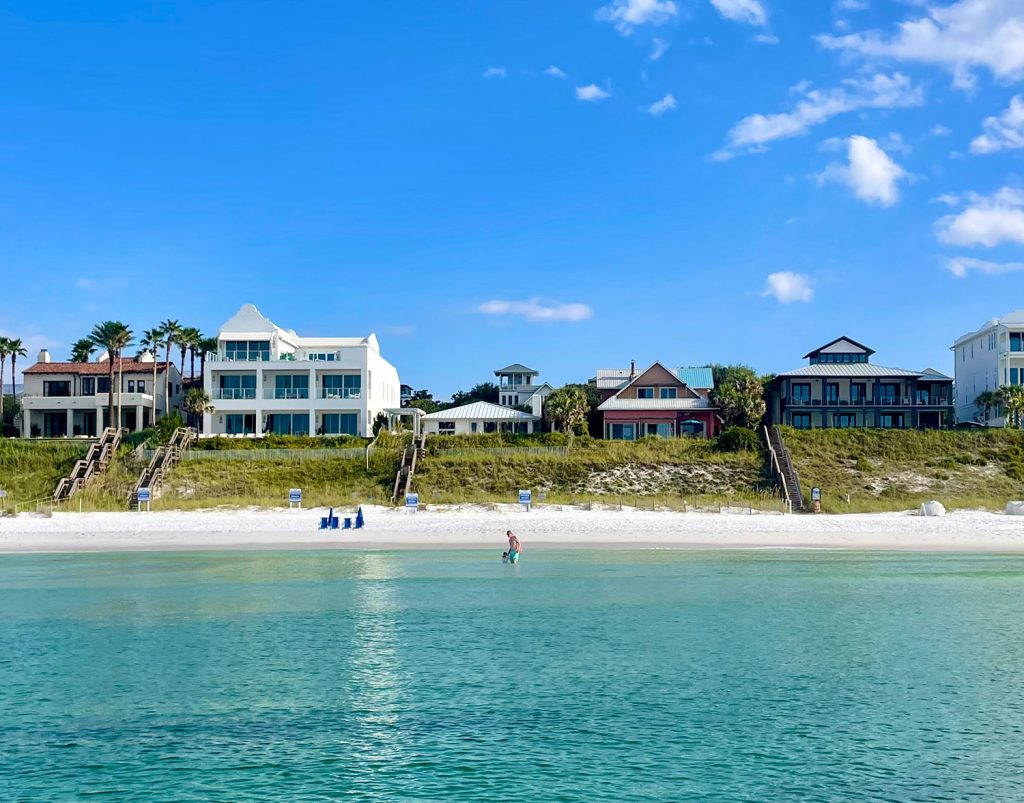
x=849 y=340
x=541 y=389
x=481 y=411
x=701 y=377
x=859 y=370
x=1015 y=318
x=251 y=324
x=615 y=403
x=96 y=368
x=516 y=368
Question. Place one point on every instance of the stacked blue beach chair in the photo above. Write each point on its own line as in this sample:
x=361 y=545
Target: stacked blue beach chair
x=330 y=521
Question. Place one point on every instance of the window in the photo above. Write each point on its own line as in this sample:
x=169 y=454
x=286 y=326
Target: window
x=472 y=426
x=1016 y=341
x=62 y=388
x=288 y=423
x=890 y=421
x=238 y=386
x=340 y=424
x=247 y=350
x=1017 y=376
x=103 y=384
x=858 y=391
x=658 y=430
x=844 y=420
x=667 y=393
x=140 y=386
x=290 y=386
x=342 y=386
x=645 y=393
x=802 y=421
x=889 y=393
x=490 y=426
x=131 y=385
x=831 y=393
x=802 y=393
x=622 y=432
x=923 y=395
x=240 y=423
x=446 y=427
x=323 y=356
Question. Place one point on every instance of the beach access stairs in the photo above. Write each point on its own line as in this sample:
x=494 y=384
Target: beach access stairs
x=95 y=462
x=412 y=454
x=782 y=467
x=162 y=461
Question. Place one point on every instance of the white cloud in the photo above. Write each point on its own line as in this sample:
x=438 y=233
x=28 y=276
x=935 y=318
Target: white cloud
x=591 y=92
x=817 y=106
x=554 y=72
x=962 y=266
x=788 y=287
x=659 y=107
x=872 y=175
x=658 y=48
x=495 y=72
x=536 y=311
x=766 y=39
x=960 y=37
x=626 y=15
x=1003 y=132
x=939 y=130
x=843 y=6
x=748 y=11
x=986 y=220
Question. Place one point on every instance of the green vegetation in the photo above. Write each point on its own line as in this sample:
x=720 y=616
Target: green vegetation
x=738 y=394
x=30 y=470
x=739 y=439
x=897 y=470
x=281 y=442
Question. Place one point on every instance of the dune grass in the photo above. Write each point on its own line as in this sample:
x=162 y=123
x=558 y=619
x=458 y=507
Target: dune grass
x=876 y=470
x=31 y=469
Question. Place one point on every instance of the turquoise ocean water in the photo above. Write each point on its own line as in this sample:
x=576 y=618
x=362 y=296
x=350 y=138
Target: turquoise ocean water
x=590 y=676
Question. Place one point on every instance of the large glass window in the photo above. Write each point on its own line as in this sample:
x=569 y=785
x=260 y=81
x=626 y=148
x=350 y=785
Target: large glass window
x=658 y=430
x=622 y=432
x=61 y=388
x=801 y=393
x=645 y=393
x=240 y=423
x=1016 y=341
x=446 y=427
x=88 y=386
x=289 y=423
x=831 y=393
x=238 y=386
x=667 y=393
x=103 y=384
x=247 y=350
x=340 y=424
x=889 y=393
x=857 y=392
x=290 y=386
x=891 y=421
x=844 y=420
x=802 y=421
x=1016 y=376
x=347 y=386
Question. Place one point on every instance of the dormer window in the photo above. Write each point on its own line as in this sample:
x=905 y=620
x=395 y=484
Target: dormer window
x=645 y=393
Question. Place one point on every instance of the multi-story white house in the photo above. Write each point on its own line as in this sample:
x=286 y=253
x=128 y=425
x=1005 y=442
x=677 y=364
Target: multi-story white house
x=517 y=385
x=987 y=359
x=63 y=399
x=265 y=379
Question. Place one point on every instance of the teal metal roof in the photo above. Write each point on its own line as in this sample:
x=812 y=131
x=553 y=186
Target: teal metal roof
x=697 y=377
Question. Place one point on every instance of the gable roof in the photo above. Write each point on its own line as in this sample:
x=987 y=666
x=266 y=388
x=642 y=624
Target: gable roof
x=692 y=376
x=849 y=340
x=126 y=365
x=859 y=370
x=480 y=410
x=516 y=368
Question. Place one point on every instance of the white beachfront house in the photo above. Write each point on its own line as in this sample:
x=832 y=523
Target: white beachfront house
x=987 y=359
x=265 y=379
x=518 y=386
x=479 y=418
x=69 y=399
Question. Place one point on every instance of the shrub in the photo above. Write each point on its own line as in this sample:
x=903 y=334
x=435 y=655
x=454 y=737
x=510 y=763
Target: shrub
x=738 y=439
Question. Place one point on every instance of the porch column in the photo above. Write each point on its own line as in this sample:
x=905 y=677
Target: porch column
x=26 y=428
x=138 y=417
x=71 y=422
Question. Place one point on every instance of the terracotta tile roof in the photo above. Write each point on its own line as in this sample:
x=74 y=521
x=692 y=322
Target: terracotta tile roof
x=132 y=366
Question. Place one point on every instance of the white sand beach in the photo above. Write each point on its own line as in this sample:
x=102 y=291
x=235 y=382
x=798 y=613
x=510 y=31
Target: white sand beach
x=479 y=527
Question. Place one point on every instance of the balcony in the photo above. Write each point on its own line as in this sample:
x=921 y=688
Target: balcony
x=884 y=401
x=233 y=394
x=341 y=393
x=286 y=393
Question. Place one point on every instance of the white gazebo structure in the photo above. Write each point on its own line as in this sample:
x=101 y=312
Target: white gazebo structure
x=479 y=418
x=396 y=416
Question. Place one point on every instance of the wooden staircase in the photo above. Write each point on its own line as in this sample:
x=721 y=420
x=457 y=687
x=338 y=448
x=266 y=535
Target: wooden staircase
x=403 y=479
x=163 y=460
x=782 y=465
x=95 y=462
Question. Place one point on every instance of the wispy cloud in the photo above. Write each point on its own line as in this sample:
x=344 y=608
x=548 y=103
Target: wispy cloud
x=591 y=92
x=750 y=12
x=536 y=311
x=869 y=171
x=816 y=106
x=659 y=107
x=1005 y=132
x=844 y=6
x=986 y=220
x=961 y=37
x=626 y=15
x=962 y=266
x=939 y=130
x=495 y=72
x=765 y=39
x=787 y=287
x=554 y=72
x=658 y=48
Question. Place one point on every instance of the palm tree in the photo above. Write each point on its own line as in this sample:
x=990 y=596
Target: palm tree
x=985 y=401
x=208 y=345
x=81 y=350
x=5 y=349
x=171 y=330
x=15 y=348
x=1012 y=399
x=152 y=340
x=567 y=407
x=190 y=337
x=112 y=336
x=197 y=402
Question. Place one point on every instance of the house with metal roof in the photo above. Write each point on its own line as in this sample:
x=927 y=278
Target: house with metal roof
x=841 y=388
x=656 y=402
x=480 y=418
x=518 y=386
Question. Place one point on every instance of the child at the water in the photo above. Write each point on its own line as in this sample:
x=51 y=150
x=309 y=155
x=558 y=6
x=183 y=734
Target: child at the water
x=504 y=557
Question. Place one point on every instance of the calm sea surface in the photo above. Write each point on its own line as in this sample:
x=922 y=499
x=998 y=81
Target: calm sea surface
x=619 y=676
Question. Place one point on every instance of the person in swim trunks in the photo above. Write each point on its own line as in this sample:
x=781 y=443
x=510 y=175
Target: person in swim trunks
x=514 y=547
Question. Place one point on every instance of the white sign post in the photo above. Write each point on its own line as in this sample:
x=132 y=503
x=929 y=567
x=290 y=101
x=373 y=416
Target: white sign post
x=412 y=502
x=3 y=500
x=295 y=498
x=145 y=495
x=526 y=499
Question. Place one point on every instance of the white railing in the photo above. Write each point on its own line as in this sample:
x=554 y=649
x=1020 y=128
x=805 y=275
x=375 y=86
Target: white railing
x=286 y=393
x=341 y=393
x=228 y=394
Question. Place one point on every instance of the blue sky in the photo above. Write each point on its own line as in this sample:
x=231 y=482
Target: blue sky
x=571 y=185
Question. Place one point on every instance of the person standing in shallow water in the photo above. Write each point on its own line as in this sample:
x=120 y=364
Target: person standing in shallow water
x=514 y=546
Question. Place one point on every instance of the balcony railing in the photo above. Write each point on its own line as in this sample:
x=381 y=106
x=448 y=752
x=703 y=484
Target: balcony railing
x=286 y=393
x=234 y=393
x=341 y=393
x=885 y=401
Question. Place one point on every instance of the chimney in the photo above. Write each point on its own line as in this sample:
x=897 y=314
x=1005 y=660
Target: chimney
x=44 y=356
x=632 y=370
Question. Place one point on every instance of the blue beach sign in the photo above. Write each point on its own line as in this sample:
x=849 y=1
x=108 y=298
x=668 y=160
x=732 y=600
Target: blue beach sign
x=144 y=494
x=412 y=501
x=526 y=498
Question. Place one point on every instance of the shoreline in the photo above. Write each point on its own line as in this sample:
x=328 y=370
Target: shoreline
x=475 y=527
